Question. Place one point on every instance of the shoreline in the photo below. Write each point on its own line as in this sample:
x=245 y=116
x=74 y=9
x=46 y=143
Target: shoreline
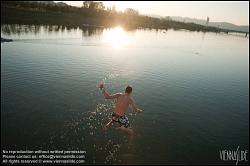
x=12 y=15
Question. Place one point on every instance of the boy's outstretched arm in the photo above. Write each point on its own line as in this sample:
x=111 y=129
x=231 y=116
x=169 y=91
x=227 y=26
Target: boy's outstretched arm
x=134 y=106
x=106 y=94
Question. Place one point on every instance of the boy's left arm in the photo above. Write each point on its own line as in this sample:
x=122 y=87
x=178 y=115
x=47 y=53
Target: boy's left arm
x=134 y=106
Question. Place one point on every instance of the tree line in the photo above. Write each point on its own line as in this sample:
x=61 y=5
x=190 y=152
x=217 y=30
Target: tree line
x=89 y=13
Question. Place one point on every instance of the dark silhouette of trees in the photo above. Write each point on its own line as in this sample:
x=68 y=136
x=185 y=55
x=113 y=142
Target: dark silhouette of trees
x=93 y=5
x=130 y=11
x=93 y=13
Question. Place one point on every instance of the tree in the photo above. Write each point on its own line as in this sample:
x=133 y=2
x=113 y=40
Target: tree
x=86 y=4
x=130 y=11
x=100 y=6
x=93 y=5
x=96 y=5
x=113 y=8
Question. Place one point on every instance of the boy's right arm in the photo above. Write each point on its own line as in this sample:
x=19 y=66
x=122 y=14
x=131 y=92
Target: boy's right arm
x=108 y=96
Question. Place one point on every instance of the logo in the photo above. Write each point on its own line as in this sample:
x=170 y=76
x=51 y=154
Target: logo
x=234 y=155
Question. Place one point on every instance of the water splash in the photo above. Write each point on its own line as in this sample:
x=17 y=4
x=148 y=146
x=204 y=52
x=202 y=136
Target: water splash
x=84 y=131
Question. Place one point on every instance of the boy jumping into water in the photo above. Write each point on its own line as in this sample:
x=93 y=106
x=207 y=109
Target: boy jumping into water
x=122 y=102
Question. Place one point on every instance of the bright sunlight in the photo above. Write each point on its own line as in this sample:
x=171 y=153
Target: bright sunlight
x=116 y=37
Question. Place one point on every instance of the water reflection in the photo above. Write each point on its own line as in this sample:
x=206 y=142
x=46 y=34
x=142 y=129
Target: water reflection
x=19 y=29
x=116 y=37
x=16 y=29
x=91 y=31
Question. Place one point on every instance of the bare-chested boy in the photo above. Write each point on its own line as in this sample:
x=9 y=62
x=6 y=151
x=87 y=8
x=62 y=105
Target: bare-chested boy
x=122 y=103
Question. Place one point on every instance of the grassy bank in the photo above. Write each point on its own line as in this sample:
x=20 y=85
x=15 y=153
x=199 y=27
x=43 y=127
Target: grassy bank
x=11 y=14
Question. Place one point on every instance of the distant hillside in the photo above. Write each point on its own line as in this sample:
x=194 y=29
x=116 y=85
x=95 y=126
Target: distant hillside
x=62 y=4
x=224 y=25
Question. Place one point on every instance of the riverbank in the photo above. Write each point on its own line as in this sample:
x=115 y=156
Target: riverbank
x=14 y=15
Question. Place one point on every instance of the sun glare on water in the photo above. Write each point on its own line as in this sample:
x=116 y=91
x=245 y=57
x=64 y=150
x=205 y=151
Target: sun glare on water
x=116 y=37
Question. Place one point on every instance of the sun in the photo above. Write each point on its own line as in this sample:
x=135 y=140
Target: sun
x=116 y=37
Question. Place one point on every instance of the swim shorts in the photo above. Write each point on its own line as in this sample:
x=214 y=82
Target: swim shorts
x=122 y=120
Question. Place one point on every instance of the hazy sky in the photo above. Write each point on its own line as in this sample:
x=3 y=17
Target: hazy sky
x=234 y=12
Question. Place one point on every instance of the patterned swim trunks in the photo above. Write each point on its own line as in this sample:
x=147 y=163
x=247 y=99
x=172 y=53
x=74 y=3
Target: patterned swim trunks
x=122 y=120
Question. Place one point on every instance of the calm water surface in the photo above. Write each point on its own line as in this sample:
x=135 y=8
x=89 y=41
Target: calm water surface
x=192 y=86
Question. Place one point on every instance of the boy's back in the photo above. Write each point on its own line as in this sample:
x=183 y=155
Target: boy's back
x=121 y=104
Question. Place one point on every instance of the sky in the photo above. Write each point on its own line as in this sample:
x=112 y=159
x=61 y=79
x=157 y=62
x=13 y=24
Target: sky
x=236 y=12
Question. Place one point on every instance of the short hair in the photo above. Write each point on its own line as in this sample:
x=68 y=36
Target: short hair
x=128 y=89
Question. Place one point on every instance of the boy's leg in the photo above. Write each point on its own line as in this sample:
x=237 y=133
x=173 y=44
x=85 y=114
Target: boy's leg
x=128 y=131
x=105 y=127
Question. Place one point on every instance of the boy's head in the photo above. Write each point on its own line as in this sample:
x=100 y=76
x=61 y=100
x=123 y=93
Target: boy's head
x=128 y=89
